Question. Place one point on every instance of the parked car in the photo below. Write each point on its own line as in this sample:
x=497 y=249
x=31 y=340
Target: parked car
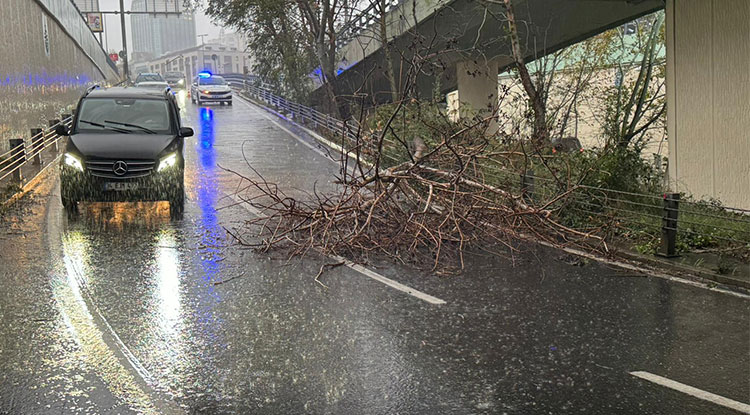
x=210 y=88
x=175 y=79
x=148 y=77
x=125 y=145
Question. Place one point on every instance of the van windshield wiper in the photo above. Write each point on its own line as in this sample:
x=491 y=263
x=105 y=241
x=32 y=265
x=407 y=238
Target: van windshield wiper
x=124 y=124
x=106 y=127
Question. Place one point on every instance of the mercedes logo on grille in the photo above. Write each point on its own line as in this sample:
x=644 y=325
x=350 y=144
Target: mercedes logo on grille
x=120 y=168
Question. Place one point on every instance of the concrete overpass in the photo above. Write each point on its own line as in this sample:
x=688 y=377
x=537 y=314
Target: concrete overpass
x=469 y=41
x=708 y=69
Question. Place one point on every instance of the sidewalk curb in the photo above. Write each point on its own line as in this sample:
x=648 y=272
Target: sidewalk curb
x=31 y=184
x=698 y=272
x=622 y=257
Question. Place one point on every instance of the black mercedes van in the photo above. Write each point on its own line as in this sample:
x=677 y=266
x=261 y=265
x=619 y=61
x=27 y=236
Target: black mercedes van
x=125 y=145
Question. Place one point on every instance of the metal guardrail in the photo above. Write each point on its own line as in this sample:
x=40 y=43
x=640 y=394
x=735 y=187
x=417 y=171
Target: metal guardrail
x=669 y=220
x=239 y=80
x=349 y=129
x=23 y=151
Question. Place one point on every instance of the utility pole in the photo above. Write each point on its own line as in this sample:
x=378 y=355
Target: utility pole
x=125 y=69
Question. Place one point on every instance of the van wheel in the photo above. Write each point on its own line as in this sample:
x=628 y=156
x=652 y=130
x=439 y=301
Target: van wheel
x=177 y=204
x=70 y=205
x=68 y=198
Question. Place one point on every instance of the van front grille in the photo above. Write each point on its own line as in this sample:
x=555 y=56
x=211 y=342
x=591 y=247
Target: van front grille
x=133 y=168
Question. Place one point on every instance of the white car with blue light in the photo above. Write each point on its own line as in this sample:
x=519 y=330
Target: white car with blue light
x=207 y=87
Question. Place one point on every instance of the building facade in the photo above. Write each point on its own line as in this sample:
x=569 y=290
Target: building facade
x=156 y=35
x=214 y=57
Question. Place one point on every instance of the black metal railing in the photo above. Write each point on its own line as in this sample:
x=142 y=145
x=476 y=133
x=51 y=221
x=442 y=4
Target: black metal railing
x=29 y=150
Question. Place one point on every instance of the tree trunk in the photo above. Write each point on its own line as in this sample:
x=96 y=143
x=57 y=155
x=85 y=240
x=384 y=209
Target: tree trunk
x=541 y=130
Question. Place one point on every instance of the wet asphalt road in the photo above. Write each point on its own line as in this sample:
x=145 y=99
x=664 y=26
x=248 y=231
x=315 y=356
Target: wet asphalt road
x=124 y=311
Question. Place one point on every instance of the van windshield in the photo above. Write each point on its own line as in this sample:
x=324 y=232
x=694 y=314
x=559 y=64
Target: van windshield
x=151 y=77
x=124 y=115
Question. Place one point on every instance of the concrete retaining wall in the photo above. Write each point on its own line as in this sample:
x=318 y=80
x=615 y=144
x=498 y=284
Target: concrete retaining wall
x=48 y=56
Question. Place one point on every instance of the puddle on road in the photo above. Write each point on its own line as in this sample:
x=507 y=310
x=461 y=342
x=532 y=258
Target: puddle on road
x=121 y=215
x=68 y=285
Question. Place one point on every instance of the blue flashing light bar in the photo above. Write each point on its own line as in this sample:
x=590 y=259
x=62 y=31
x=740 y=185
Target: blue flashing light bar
x=204 y=74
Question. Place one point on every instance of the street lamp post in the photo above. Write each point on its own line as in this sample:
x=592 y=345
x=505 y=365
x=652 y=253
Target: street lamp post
x=125 y=69
x=203 y=55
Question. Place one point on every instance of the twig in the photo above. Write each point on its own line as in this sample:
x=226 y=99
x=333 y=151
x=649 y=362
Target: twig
x=323 y=268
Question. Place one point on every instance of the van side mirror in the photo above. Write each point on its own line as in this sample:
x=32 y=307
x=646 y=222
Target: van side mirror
x=186 y=132
x=62 y=130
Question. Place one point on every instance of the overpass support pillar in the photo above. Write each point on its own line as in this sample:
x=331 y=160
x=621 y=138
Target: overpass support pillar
x=708 y=99
x=477 y=89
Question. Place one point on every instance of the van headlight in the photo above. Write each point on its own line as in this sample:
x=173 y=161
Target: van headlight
x=167 y=162
x=73 y=161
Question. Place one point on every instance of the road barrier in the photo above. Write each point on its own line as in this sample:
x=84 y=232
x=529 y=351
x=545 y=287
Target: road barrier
x=239 y=80
x=662 y=224
x=309 y=116
x=24 y=151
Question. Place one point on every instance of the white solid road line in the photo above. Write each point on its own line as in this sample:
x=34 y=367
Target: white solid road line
x=695 y=392
x=349 y=264
x=389 y=282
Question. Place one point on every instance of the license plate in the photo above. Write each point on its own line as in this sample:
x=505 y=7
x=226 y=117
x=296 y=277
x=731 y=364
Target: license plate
x=120 y=186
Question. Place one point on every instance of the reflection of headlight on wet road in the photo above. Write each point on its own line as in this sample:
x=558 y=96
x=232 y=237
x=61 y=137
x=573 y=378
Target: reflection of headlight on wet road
x=168 y=280
x=167 y=162
x=73 y=161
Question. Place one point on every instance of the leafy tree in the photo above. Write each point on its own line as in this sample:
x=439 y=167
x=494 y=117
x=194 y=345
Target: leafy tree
x=635 y=104
x=555 y=85
x=289 y=37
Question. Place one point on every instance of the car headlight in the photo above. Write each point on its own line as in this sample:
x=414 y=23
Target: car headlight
x=205 y=91
x=167 y=162
x=73 y=161
x=181 y=82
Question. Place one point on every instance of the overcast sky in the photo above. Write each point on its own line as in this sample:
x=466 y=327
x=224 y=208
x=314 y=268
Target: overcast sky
x=112 y=25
